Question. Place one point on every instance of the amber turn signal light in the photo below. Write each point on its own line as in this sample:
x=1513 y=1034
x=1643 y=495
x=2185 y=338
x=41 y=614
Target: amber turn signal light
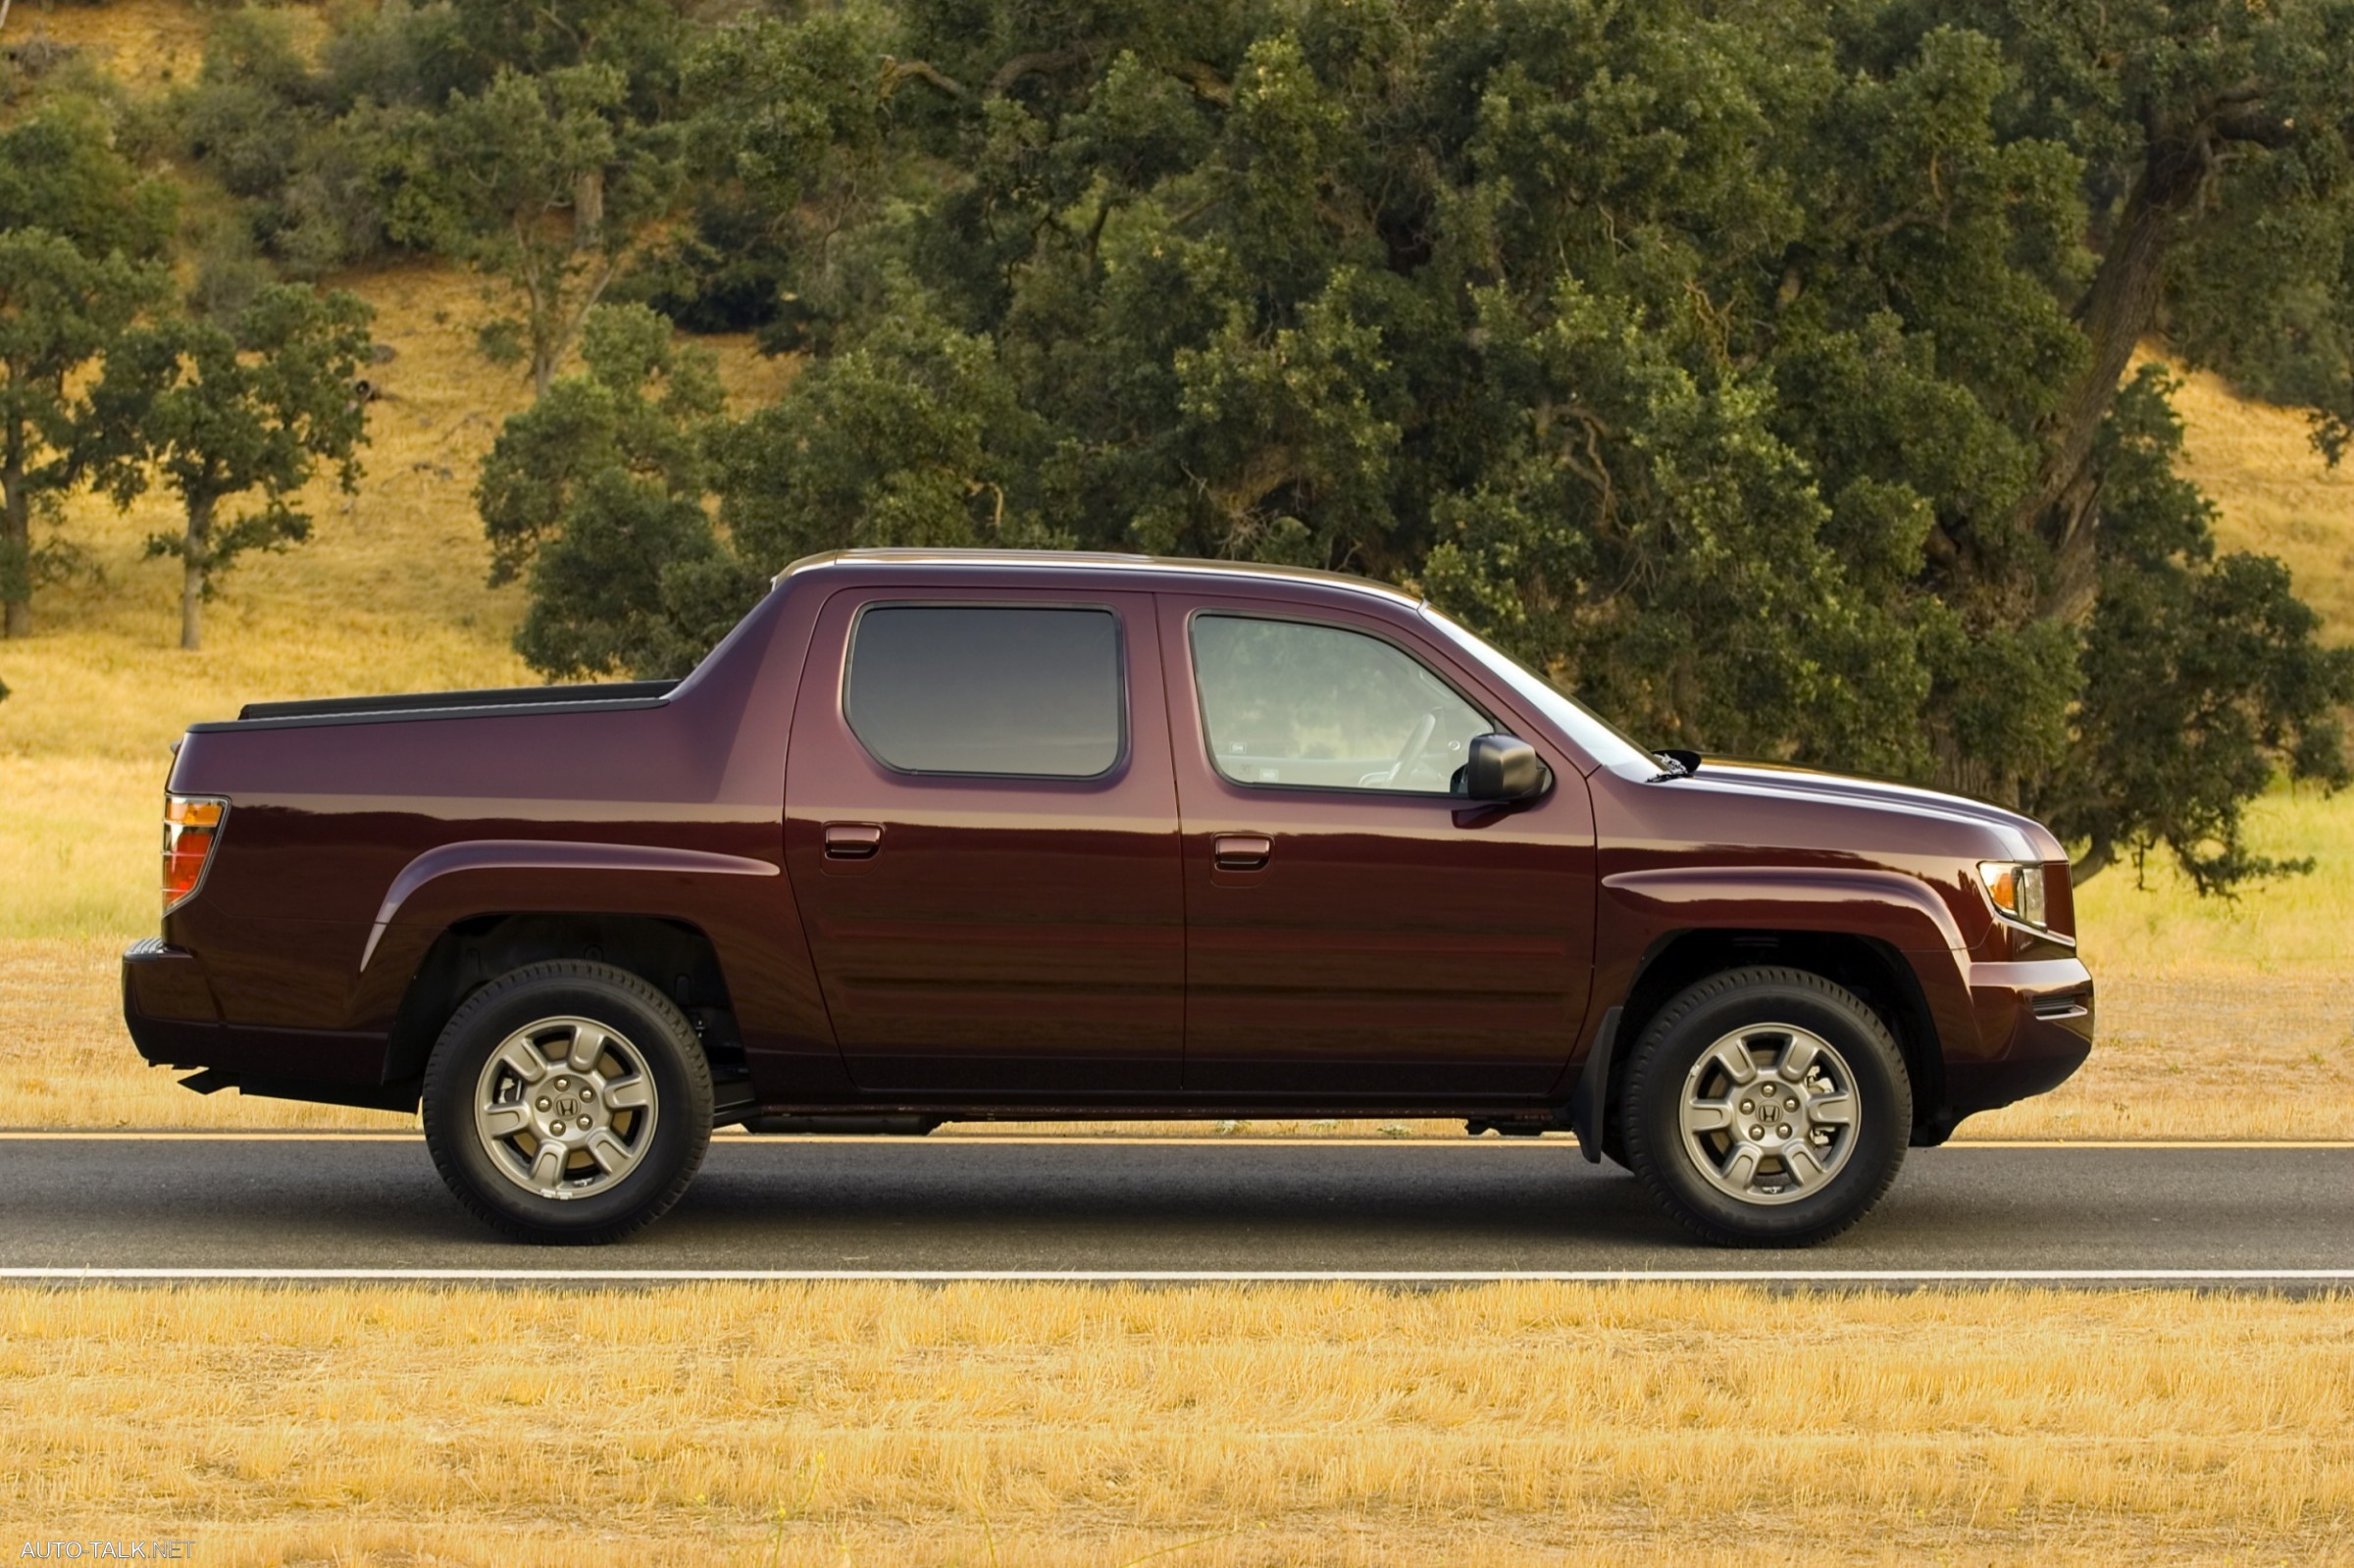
x=190 y=825
x=2017 y=889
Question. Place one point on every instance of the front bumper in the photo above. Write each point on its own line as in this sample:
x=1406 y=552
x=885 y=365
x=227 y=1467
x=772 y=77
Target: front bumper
x=2035 y=1026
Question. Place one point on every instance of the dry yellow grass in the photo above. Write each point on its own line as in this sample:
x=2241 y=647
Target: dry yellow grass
x=1052 y=1425
x=2277 y=496
x=150 y=45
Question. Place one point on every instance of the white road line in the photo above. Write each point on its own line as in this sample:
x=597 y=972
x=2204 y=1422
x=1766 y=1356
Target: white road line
x=2340 y=1276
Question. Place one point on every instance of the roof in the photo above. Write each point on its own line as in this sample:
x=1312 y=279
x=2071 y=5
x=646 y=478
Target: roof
x=1101 y=562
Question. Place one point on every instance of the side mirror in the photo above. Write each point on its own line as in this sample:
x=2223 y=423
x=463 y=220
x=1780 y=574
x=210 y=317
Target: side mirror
x=1502 y=768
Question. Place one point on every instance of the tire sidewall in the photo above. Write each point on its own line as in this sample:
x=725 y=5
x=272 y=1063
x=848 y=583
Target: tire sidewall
x=681 y=1083
x=1705 y=1014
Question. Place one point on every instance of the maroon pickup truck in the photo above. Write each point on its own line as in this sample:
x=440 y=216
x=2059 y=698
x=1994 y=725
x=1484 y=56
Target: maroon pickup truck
x=945 y=836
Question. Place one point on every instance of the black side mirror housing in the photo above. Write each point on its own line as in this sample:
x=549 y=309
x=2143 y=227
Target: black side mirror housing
x=1499 y=767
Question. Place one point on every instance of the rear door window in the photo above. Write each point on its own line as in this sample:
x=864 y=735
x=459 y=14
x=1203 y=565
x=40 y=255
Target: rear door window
x=1012 y=691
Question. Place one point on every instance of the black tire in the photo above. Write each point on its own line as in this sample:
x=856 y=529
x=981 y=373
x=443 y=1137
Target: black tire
x=1664 y=1066
x=665 y=1052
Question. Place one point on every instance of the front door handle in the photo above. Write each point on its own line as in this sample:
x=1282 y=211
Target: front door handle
x=1240 y=851
x=852 y=840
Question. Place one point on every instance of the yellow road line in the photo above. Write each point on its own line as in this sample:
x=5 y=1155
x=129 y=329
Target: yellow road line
x=2150 y=1142
x=2276 y=1278
x=1093 y=1139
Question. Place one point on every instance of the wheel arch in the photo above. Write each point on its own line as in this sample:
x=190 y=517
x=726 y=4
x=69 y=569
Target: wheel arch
x=674 y=956
x=1874 y=968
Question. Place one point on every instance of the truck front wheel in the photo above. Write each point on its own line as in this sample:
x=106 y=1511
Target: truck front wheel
x=568 y=1101
x=1766 y=1107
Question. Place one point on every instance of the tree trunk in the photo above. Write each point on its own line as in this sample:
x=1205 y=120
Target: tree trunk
x=2097 y=859
x=588 y=210
x=2120 y=309
x=16 y=548
x=192 y=575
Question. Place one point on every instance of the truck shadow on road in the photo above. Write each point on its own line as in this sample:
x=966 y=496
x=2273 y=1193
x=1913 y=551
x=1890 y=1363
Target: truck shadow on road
x=1257 y=1206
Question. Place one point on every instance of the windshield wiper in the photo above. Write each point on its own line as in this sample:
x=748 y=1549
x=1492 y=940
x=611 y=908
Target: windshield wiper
x=1677 y=763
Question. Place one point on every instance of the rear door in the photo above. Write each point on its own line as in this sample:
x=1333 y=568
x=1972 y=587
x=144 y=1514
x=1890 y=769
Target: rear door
x=981 y=827
x=1356 y=928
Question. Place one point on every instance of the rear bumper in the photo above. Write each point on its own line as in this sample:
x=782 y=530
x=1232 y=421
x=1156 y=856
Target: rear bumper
x=169 y=1008
x=162 y=984
x=2034 y=1027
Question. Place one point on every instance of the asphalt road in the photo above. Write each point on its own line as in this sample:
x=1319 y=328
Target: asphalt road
x=305 y=1205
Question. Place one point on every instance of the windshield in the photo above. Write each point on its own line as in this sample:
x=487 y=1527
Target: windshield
x=1595 y=735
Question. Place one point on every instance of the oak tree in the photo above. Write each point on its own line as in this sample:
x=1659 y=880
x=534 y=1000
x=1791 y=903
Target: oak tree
x=221 y=411
x=548 y=174
x=80 y=237
x=597 y=492
x=1761 y=373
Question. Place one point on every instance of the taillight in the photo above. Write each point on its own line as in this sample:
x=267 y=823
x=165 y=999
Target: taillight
x=190 y=825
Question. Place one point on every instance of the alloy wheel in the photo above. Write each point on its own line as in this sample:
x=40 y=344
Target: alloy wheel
x=565 y=1107
x=1768 y=1113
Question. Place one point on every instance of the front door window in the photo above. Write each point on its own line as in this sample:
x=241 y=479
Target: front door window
x=1296 y=705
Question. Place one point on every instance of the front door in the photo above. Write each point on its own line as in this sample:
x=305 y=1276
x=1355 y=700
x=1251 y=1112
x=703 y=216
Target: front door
x=981 y=827
x=1355 y=929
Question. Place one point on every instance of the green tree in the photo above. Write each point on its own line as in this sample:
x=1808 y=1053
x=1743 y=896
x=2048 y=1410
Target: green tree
x=597 y=492
x=912 y=435
x=551 y=160
x=790 y=150
x=80 y=234
x=2201 y=668
x=1756 y=370
x=312 y=154
x=217 y=410
x=546 y=184
x=2192 y=118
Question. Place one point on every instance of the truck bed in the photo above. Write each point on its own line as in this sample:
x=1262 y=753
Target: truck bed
x=446 y=704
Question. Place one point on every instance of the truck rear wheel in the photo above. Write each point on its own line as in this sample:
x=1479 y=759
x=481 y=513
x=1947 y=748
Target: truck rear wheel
x=568 y=1101
x=1767 y=1107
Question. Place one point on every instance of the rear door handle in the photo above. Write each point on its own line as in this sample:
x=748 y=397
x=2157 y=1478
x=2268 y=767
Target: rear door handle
x=852 y=840
x=1240 y=852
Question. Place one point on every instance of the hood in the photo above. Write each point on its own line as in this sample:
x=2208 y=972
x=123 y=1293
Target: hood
x=2020 y=838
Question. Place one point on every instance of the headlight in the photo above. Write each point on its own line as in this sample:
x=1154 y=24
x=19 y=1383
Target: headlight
x=2017 y=889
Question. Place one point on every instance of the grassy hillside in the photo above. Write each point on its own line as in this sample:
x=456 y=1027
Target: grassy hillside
x=389 y=595
x=2277 y=496
x=2204 y=1003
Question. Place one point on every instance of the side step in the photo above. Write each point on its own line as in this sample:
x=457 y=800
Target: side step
x=1512 y=1127
x=844 y=1125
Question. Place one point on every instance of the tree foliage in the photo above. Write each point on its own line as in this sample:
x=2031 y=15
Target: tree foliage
x=2200 y=670
x=81 y=235
x=215 y=410
x=597 y=490
x=548 y=174
x=311 y=153
x=1758 y=371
